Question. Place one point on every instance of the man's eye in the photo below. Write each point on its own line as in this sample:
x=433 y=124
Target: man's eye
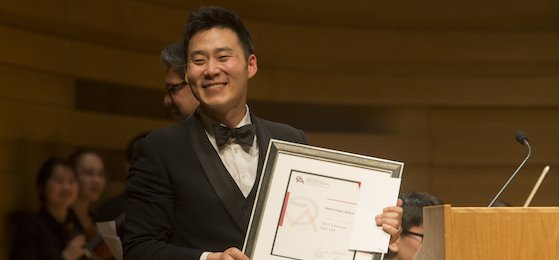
x=172 y=89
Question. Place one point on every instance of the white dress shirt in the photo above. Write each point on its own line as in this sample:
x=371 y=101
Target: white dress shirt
x=240 y=160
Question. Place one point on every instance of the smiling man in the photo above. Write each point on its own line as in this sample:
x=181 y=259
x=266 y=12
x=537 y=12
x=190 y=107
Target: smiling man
x=191 y=187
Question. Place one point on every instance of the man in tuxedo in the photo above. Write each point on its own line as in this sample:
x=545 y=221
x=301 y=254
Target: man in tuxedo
x=192 y=185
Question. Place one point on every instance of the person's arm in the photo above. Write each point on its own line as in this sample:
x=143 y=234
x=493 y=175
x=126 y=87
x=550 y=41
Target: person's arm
x=149 y=210
x=303 y=137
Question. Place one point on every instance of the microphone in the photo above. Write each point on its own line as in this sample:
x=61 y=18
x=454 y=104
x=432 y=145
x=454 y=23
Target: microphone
x=522 y=138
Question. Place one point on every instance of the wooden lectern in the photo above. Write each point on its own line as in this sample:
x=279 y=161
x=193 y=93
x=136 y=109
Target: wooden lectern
x=478 y=233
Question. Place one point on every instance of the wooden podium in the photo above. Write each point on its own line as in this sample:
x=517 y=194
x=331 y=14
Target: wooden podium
x=477 y=233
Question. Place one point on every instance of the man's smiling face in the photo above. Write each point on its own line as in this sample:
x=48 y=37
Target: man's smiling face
x=218 y=70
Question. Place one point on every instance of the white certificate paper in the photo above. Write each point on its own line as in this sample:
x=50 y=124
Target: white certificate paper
x=318 y=212
x=307 y=203
x=376 y=194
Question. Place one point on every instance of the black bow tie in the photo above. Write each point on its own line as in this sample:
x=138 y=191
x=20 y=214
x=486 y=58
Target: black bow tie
x=243 y=134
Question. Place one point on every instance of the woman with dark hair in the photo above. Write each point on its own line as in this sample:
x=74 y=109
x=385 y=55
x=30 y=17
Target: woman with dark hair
x=54 y=232
x=89 y=170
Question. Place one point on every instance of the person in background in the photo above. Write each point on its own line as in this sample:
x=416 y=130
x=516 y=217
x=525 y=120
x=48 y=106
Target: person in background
x=411 y=238
x=179 y=97
x=90 y=173
x=89 y=169
x=55 y=232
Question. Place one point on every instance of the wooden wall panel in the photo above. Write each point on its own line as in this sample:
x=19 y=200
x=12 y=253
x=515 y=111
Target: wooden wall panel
x=359 y=50
x=398 y=148
x=35 y=87
x=497 y=15
x=377 y=90
x=132 y=25
x=73 y=58
x=71 y=127
x=481 y=136
x=471 y=185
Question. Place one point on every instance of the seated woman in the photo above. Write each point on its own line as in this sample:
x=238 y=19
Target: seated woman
x=54 y=232
x=90 y=173
x=89 y=170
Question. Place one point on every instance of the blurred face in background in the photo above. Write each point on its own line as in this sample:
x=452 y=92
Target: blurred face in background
x=179 y=97
x=61 y=189
x=90 y=172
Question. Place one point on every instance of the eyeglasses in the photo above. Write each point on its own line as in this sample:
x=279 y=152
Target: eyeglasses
x=173 y=88
x=413 y=233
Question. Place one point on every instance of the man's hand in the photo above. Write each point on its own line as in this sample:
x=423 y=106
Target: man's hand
x=391 y=221
x=231 y=253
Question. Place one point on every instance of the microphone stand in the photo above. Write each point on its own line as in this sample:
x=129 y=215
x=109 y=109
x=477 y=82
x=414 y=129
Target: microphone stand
x=514 y=174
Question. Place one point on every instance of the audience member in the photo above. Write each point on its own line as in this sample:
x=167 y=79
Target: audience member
x=189 y=191
x=179 y=96
x=411 y=238
x=55 y=232
x=89 y=170
x=90 y=173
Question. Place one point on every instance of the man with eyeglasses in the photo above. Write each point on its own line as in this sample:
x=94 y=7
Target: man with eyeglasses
x=411 y=238
x=179 y=97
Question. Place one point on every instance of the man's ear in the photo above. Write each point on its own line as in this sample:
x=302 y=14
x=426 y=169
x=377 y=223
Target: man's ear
x=252 y=66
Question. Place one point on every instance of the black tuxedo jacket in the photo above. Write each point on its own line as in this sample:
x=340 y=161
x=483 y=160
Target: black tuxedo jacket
x=181 y=201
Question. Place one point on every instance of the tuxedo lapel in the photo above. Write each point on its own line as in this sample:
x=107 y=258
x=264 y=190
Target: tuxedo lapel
x=263 y=139
x=215 y=171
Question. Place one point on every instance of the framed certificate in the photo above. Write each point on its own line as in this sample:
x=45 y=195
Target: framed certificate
x=306 y=202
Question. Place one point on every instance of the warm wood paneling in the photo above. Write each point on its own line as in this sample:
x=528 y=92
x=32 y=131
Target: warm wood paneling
x=484 y=136
x=72 y=58
x=27 y=86
x=400 y=15
x=88 y=129
x=474 y=185
x=413 y=149
x=359 y=50
x=131 y=25
x=377 y=90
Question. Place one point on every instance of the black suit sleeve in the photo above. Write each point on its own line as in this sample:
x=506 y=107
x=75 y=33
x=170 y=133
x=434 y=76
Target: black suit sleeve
x=304 y=138
x=149 y=210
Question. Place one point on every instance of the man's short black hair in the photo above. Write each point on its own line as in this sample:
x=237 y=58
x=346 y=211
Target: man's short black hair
x=208 y=17
x=413 y=208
